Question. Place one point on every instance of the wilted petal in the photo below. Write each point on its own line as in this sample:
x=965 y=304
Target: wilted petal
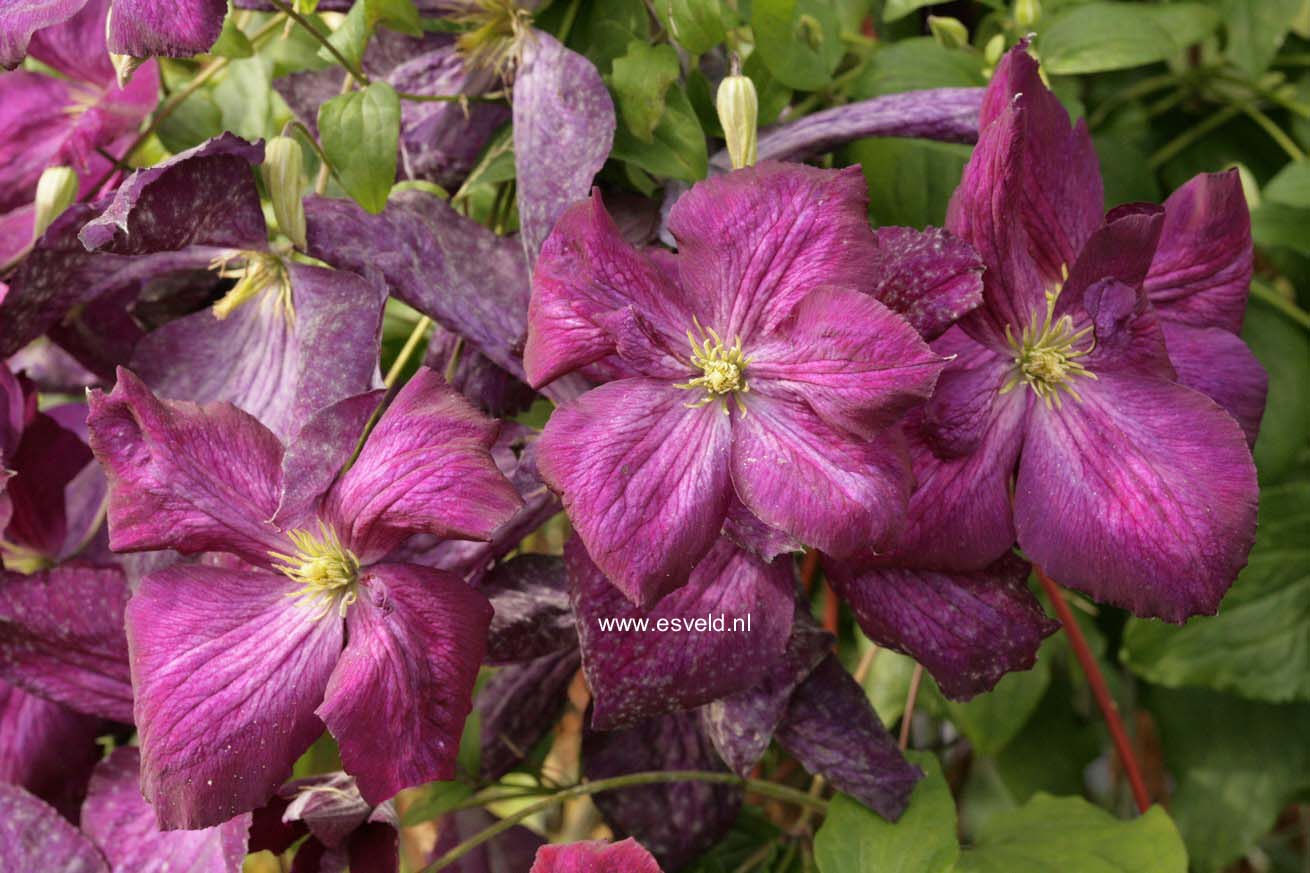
x=172 y=28
x=676 y=821
x=563 y=130
x=824 y=487
x=1202 y=269
x=746 y=530
x=405 y=681
x=597 y=856
x=18 y=25
x=928 y=276
x=33 y=836
x=227 y=670
x=1142 y=495
x=519 y=705
x=47 y=748
x=1221 y=366
x=644 y=480
x=425 y=468
x=850 y=358
x=122 y=825
x=753 y=243
x=530 y=594
x=330 y=805
x=320 y=449
x=732 y=621
x=182 y=476
x=61 y=635
x=832 y=730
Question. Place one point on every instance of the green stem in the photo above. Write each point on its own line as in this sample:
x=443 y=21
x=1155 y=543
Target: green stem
x=407 y=351
x=1275 y=132
x=768 y=789
x=1133 y=92
x=567 y=25
x=1265 y=294
x=359 y=75
x=1172 y=148
x=489 y=97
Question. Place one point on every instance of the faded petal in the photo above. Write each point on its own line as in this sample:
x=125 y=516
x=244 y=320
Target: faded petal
x=33 y=836
x=832 y=730
x=644 y=480
x=425 y=468
x=1142 y=495
x=185 y=477
x=530 y=596
x=744 y=609
x=61 y=636
x=752 y=243
x=227 y=670
x=822 y=486
x=929 y=276
x=519 y=705
x=1221 y=366
x=122 y=825
x=596 y=856
x=405 y=681
x=563 y=130
x=47 y=749
x=172 y=28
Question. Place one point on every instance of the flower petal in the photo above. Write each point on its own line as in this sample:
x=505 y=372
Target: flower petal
x=19 y=24
x=530 y=596
x=182 y=476
x=929 y=276
x=122 y=825
x=1120 y=249
x=754 y=242
x=722 y=631
x=486 y=384
x=967 y=629
x=676 y=821
x=33 y=836
x=172 y=28
x=832 y=730
x=61 y=636
x=563 y=130
x=405 y=680
x=644 y=480
x=824 y=487
x=595 y=856
x=425 y=468
x=519 y=705
x=850 y=358
x=746 y=530
x=1202 y=269
x=47 y=748
x=330 y=805
x=227 y=670
x=1142 y=495
x=48 y=457
x=1221 y=366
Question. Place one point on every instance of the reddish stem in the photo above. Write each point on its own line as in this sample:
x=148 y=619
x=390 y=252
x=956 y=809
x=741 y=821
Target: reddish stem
x=1109 y=709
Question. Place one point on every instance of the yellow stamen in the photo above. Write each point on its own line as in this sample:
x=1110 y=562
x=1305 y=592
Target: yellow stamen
x=723 y=368
x=258 y=272
x=21 y=559
x=1046 y=354
x=326 y=570
x=496 y=34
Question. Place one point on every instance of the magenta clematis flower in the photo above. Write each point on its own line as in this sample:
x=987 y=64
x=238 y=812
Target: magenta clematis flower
x=1072 y=380
x=751 y=377
x=136 y=28
x=299 y=620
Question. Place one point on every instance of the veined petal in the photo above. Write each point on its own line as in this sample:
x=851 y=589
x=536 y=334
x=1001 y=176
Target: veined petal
x=752 y=243
x=47 y=748
x=185 y=477
x=18 y=25
x=644 y=479
x=61 y=636
x=425 y=468
x=227 y=670
x=122 y=825
x=850 y=358
x=32 y=110
x=596 y=856
x=1142 y=495
x=1221 y=366
x=967 y=629
x=828 y=489
x=33 y=836
x=405 y=681
x=930 y=277
x=172 y=28
x=519 y=705
x=745 y=610
x=1121 y=249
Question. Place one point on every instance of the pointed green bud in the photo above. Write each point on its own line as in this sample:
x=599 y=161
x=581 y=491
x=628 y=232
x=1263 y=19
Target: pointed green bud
x=124 y=65
x=1027 y=13
x=55 y=191
x=739 y=113
x=993 y=50
x=949 y=32
x=284 y=168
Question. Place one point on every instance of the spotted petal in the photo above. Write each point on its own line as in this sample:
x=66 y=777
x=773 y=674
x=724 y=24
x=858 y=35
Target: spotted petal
x=930 y=277
x=33 y=836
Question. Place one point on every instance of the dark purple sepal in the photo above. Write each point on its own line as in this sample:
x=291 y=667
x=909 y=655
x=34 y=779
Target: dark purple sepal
x=46 y=748
x=530 y=594
x=519 y=705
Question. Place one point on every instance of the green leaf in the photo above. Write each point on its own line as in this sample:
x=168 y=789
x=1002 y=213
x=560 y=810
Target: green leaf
x=1052 y=751
x=678 y=150
x=1070 y=835
x=351 y=37
x=774 y=96
x=246 y=98
x=696 y=25
x=854 y=839
x=910 y=181
x=640 y=80
x=232 y=43
x=1278 y=225
x=799 y=40
x=916 y=64
x=1256 y=31
x=1092 y=37
x=1258 y=646
x=896 y=9
x=1284 y=348
x=992 y=720
x=435 y=800
x=399 y=15
x=359 y=131
x=1291 y=187
x=606 y=29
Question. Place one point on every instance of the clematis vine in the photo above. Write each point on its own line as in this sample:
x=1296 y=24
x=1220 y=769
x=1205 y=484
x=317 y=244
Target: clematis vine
x=297 y=619
x=1081 y=377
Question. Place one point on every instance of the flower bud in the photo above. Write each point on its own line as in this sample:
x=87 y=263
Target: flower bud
x=284 y=166
x=994 y=49
x=55 y=191
x=124 y=65
x=1027 y=13
x=949 y=32
x=739 y=112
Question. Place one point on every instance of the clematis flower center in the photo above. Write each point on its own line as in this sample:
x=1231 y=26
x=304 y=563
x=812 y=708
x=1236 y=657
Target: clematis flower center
x=326 y=570
x=255 y=273
x=723 y=368
x=1046 y=355
x=496 y=30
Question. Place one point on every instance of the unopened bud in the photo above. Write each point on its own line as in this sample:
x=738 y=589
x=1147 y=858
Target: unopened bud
x=1027 y=13
x=739 y=113
x=284 y=167
x=994 y=49
x=55 y=191
x=124 y=65
x=1250 y=187
x=949 y=32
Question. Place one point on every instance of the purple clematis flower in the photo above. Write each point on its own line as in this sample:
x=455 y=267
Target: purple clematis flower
x=626 y=856
x=298 y=620
x=751 y=376
x=1128 y=484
